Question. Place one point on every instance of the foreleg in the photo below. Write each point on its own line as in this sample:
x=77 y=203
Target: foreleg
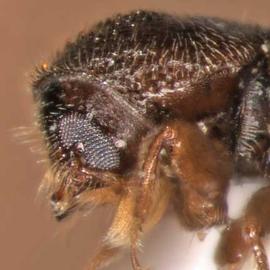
x=126 y=229
x=142 y=204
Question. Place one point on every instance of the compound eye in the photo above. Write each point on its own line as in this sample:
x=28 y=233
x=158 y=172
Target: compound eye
x=96 y=149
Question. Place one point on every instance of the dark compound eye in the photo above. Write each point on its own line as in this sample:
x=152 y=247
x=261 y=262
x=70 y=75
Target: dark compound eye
x=97 y=149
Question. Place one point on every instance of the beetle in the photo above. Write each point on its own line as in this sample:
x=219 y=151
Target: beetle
x=148 y=109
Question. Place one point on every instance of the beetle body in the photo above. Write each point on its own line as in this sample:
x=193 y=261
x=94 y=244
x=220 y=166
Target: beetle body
x=147 y=82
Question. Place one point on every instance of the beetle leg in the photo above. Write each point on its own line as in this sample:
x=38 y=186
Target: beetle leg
x=104 y=257
x=149 y=182
x=153 y=192
x=126 y=228
x=147 y=195
x=245 y=234
x=203 y=169
x=142 y=203
x=119 y=232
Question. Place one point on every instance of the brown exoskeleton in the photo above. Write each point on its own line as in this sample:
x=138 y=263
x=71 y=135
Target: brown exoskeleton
x=148 y=109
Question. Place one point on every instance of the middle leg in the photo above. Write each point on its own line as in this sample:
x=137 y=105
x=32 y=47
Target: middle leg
x=244 y=235
x=203 y=167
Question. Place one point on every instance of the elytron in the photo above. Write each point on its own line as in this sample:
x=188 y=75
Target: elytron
x=148 y=109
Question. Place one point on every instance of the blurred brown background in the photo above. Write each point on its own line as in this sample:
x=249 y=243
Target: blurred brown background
x=31 y=31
